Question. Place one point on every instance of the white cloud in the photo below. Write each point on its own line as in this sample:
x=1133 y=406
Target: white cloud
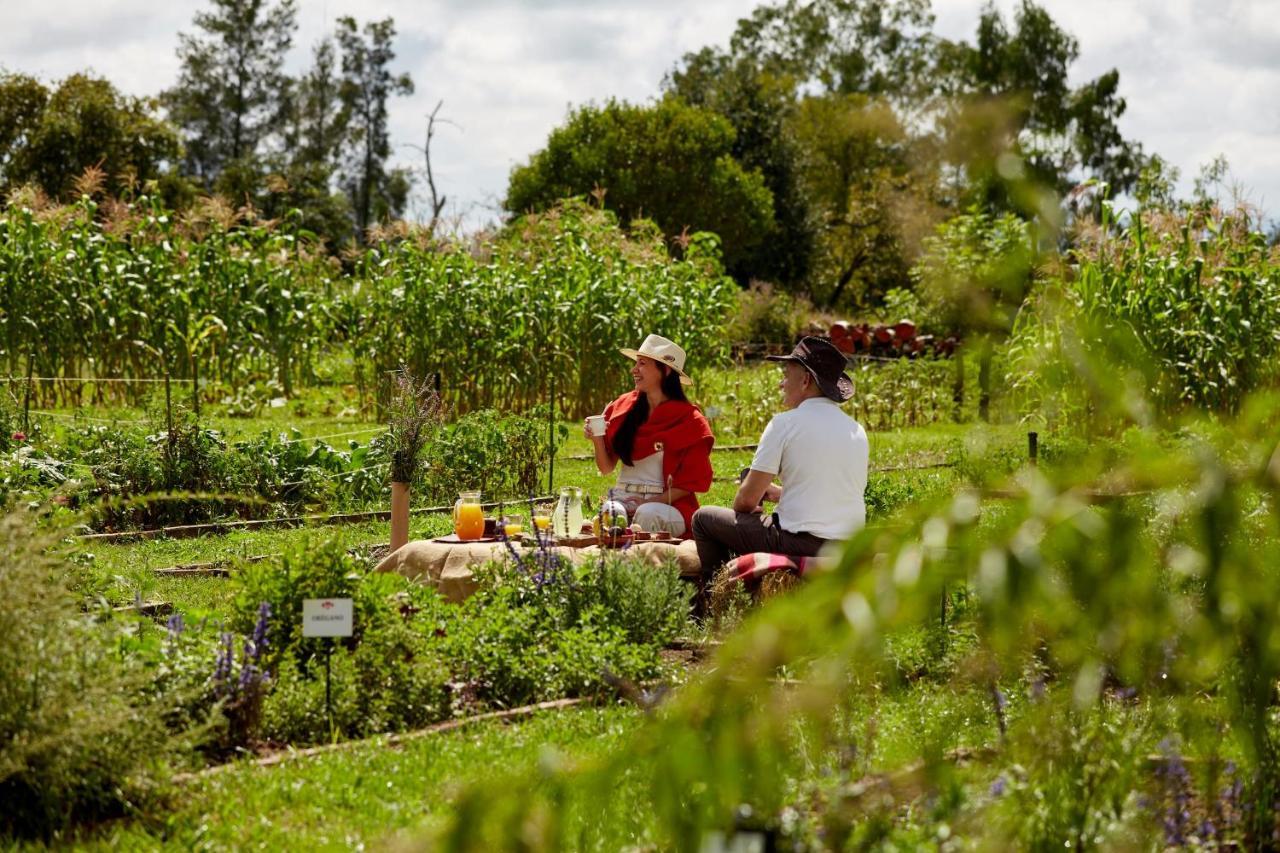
x=1198 y=75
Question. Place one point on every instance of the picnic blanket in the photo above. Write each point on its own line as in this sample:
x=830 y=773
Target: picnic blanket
x=449 y=567
x=751 y=568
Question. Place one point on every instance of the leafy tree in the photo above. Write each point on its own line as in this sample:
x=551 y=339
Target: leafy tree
x=22 y=102
x=230 y=91
x=858 y=177
x=757 y=104
x=317 y=128
x=367 y=83
x=51 y=138
x=1013 y=85
x=973 y=276
x=669 y=162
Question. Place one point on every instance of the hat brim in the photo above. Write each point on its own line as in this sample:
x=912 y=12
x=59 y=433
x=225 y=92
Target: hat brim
x=840 y=390
x=635 y=354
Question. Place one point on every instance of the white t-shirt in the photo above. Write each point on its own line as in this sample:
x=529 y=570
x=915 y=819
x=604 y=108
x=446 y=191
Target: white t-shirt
x=820 y=454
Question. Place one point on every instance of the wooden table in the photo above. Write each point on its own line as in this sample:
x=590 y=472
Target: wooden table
x=448 y=566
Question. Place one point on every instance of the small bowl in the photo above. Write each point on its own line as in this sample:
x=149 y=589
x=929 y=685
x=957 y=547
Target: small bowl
x=608 y=540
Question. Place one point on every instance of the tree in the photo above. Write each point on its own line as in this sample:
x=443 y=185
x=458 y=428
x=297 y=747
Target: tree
x=51 y=138
x=22 y=102
x=314 y=135
x=367 y=84
x=1011 y=89
x=872 y=202
x=230 y=90
x=758 y=105
x=669 y=162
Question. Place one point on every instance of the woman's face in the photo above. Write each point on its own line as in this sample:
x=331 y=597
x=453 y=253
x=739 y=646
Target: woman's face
x=647 y=374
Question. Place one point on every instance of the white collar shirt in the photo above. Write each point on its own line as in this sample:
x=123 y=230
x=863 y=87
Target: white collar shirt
x=821 y=455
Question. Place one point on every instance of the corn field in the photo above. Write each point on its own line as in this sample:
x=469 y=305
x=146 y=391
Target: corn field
x=132 y=291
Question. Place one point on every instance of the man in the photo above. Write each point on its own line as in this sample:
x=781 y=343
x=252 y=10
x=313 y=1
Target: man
x=818 y=452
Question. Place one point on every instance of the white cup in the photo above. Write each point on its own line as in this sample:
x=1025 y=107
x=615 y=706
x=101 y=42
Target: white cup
x=595 y=423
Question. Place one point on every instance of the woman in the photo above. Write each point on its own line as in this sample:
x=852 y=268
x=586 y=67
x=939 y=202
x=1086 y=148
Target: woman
x=662 y=440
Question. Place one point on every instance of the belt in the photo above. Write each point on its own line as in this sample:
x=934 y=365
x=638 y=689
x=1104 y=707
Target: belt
x=803 y=534
x=641 y=488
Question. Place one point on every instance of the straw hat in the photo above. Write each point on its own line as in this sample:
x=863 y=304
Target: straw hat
x=662 y=351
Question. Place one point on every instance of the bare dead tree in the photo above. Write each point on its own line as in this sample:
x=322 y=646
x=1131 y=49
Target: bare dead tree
x=437 y=200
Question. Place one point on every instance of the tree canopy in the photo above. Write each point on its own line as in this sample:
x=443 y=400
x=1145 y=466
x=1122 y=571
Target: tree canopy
x=50 y=137
x=669 y=162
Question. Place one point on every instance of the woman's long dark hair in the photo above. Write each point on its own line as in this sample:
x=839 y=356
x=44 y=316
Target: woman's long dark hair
x=625 y=439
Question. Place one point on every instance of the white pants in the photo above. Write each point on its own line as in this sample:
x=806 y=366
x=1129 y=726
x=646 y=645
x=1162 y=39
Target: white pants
x=655 y=517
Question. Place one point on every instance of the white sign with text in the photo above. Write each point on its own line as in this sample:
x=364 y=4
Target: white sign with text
x=327 y=617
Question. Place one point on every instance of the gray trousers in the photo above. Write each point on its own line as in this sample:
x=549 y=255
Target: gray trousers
x=721 y=533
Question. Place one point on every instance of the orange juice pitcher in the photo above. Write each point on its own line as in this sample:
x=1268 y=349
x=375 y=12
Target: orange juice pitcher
x=468 y=516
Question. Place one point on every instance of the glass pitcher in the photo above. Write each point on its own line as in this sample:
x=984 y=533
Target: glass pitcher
x=468 y=516
x=566 y=520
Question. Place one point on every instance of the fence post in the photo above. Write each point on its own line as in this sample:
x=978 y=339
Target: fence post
x=26 y=399
x=1033 y=448
x=551 y=434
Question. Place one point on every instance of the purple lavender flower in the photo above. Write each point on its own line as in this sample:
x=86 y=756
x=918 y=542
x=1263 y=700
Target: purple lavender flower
x=1176 y=782
x=258 y=644
x=176 y=625
x=226 y=658
x=997 y=787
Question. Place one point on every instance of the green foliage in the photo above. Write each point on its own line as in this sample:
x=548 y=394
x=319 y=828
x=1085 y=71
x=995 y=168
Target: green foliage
x=540 y=313
x=143 y=293
x=500 y=456
x=367 y=83
x=230 y=89
x=766 y=314
x=82 y=127
x=80 y=739
x=645 y=161
x=1189 y=305
x=975 y=271
x=310 y=568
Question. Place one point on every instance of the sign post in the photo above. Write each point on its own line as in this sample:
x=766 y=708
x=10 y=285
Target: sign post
x=327 y=618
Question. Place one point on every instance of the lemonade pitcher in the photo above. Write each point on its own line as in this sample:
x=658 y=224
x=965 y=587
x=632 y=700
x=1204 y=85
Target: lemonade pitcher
x=468 y=516
x=566 y=520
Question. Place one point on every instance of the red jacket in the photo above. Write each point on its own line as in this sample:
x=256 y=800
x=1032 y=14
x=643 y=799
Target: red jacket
x=683 y=435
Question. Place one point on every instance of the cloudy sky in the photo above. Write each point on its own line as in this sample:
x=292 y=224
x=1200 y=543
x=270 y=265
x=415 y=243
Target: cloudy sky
x=1201 y=77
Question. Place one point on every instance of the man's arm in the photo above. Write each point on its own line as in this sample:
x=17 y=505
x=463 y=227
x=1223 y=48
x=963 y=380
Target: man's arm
x=752 y=491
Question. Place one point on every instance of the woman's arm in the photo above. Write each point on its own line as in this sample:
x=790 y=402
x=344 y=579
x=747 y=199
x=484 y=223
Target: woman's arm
x=605 y=460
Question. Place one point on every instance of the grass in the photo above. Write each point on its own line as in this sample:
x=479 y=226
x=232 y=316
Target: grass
x=358 y=796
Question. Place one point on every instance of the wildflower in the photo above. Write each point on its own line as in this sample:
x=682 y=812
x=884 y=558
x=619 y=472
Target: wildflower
x=997 y=787
x=19 y=435
x=1176 y=782
x=259 y=642
x=226 y=658
x=175 y=625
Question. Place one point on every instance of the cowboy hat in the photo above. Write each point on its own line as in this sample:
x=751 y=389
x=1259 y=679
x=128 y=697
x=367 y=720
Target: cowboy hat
x=662 y=351
x=826 y=363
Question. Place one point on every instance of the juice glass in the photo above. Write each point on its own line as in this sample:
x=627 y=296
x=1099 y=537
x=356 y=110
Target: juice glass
x=468 y=516
x=512 y=527
x=542 y=518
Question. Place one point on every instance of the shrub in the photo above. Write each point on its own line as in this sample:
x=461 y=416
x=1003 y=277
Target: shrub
x=79 y=737
x=500 y=456
x=768 y=315
x=313 y=567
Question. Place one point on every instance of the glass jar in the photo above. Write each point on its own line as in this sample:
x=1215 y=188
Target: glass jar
x=468 y=516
